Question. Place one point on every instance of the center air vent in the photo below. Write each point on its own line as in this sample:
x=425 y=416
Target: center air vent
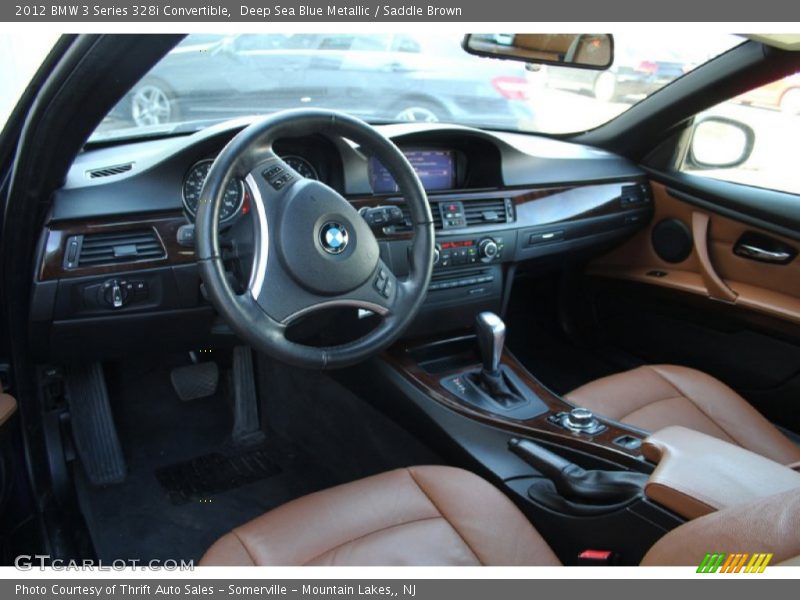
x=487 y=212
x=483 y=211
x=113 y=248
x=109 y=171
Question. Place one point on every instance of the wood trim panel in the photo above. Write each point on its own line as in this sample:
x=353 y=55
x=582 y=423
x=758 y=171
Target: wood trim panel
x=533 y=207
x=165 y=225
x=400 y=358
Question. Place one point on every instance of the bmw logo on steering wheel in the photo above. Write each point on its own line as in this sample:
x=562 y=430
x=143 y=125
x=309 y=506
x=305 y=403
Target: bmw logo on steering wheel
x=334 y=237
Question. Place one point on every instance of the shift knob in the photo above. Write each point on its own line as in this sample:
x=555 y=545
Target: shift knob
x=491 y=332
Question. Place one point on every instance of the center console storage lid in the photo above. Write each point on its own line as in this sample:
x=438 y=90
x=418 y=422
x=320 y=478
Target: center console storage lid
x=697 y=474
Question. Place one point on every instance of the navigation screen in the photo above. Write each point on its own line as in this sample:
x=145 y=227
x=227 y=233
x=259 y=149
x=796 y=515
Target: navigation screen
x=435 y=168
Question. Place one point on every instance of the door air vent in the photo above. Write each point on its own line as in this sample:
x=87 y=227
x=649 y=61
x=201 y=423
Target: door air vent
x=117 y=247
x=109 y=171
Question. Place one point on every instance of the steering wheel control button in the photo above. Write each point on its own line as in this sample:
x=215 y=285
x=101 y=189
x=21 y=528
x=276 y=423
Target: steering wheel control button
x=334 y=237
x=578 y=420
x=388 y=288
x=382 y=216
x=383 y=283
x=277 y=176
x=272 y=172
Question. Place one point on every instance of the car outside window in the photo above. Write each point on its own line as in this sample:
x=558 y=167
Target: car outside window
x=20 y=56
x=750 y=139
x=405 y=76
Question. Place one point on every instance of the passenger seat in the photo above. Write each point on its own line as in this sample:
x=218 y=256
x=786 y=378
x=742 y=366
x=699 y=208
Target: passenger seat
x=653 y=397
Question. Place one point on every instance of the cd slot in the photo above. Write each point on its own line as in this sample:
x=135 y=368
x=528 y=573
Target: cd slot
x=465 y=278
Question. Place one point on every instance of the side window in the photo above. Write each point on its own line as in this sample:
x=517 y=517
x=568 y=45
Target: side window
x=751 y=139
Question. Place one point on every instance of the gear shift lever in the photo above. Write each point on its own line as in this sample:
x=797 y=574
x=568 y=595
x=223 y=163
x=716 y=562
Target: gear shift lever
x=491 y=332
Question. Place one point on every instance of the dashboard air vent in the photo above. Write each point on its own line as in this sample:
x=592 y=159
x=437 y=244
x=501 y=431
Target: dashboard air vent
x=109 y=171
x=406 y=226
x=488 y=211
x=119 y=247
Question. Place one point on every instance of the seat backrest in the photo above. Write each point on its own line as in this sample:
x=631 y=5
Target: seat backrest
x=768 y=525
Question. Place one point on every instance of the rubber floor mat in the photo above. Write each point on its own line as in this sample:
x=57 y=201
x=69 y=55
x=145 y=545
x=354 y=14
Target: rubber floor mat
x=199 y=478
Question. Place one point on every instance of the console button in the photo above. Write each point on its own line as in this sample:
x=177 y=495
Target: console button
x=141 y=289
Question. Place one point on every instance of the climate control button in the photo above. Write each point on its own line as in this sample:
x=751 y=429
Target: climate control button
x=488 y=249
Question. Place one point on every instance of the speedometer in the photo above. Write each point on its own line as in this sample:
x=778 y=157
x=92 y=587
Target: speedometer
x=302 y=166
x=193 y=185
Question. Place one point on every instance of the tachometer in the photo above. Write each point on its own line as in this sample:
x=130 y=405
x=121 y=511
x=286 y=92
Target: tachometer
x=302 y=166
x=193 y=184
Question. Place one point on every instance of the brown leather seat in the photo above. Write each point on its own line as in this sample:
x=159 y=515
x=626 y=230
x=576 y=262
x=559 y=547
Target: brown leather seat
x=416 y=516
x=445 y=516
x=657 y=396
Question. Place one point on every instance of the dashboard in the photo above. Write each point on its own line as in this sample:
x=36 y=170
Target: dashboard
x=116 y=264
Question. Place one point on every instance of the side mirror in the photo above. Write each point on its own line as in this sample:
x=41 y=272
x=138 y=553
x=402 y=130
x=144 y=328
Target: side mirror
x=581 y=51
x=720 y=143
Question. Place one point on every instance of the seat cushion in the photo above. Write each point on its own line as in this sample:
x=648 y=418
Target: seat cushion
x=657 y=396
x=767 y=525
x=430 y=515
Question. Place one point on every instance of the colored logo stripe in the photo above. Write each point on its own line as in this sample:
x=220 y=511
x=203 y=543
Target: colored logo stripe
x=734 y=563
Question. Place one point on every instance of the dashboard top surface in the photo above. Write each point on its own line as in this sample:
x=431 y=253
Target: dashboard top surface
x=147 y=176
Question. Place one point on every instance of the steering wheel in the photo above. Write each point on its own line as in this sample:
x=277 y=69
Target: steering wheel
x=313 y=250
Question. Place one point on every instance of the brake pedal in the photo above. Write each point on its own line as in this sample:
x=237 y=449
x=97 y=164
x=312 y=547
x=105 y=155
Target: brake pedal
x=93 y=428
x=193 y=382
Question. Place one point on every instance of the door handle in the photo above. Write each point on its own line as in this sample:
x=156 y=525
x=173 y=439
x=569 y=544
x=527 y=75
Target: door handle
x=756 y=253
x=716 y=288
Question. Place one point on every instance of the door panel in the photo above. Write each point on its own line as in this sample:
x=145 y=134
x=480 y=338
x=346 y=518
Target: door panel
x=712 y=265
x=676 y=311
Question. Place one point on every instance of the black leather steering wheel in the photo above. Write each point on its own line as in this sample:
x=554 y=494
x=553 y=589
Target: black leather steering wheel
x=313 y=250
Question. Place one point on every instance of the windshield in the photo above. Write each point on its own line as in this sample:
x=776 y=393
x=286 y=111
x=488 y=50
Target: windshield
x=395 y=77
x=20 y=56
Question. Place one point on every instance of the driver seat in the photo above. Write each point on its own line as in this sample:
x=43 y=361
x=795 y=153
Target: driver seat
x=442 y=516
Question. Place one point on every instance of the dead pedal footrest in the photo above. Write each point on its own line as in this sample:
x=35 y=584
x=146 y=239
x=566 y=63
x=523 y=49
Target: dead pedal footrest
x=93 y=428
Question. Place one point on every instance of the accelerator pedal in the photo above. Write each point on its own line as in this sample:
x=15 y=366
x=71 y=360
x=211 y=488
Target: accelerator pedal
x=93 y=428
x=246 y=425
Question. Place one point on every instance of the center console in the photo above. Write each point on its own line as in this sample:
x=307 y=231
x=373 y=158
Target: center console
x=461 y=374
x=581 y=478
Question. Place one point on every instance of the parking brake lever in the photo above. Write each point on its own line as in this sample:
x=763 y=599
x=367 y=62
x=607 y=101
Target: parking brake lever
x=573 y=482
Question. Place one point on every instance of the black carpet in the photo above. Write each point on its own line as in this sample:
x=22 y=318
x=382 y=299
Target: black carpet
x=318 y=434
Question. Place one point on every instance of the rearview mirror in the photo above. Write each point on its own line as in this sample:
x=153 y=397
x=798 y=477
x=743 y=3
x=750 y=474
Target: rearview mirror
x=578 y=50
x=720 y=143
